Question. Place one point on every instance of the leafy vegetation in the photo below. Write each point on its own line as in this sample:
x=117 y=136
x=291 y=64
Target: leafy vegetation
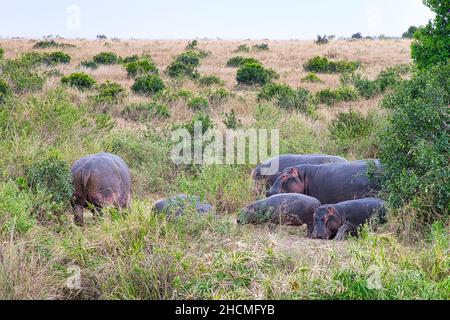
x=254 y=74
x=323 y=65
x=149 y=84
x=106 y=58
x=79 y=80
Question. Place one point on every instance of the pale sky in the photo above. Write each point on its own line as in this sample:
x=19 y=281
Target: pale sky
x=225 y=19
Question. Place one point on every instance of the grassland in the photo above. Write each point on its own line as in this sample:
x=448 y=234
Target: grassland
x=137 y=254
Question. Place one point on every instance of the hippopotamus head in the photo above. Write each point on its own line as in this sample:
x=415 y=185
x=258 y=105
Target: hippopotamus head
x=290 y=181
x=255 y=213
x=327 y=222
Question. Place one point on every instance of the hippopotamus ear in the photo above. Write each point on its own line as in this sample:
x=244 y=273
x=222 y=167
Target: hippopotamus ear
x=295 y=172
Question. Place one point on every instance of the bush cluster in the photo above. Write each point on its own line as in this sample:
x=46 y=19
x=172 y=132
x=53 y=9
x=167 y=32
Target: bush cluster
x=22 y=75
x=210 y=80
x=184 y=65
x=145 y=111
x=5 y=90
x=46 y=44
x=149 y=84
x=109 y=93
x=106 y=58
x=255 y=74
x=239 y=61
x=141 y=67
x=323 y=65
x=311 y=77
x=79 y=80
x=333 y=96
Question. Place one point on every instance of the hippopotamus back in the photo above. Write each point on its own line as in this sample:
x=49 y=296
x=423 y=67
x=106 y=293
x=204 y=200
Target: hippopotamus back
x=289 y=209
x=290 y=160
x=101 y=179
x=332 y=183
x=177 y=205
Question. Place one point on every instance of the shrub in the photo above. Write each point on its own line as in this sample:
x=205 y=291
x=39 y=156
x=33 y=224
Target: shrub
x=415 y=145
x=242 y=48
x=261 y=47
x=231 y=121
x=22 y=76
x=201 y=118
x=323 y=65
x=312 y=77
x=2 y=52
x=254 y=74
x=389 y=78
x=410 y=33
x=145 y=111
x=192 y=45
x=342 y=94
x=350 y=125
x=79 y=80
x=5 y=90
x=432 y=45
x=210 y=80
x=239 y=61
x=217 y=96
x=271 y=90
x=46 y=44
x=129 y=59
x=184 y=65
x=57 y=57
x=357 y=36
x=54 y=177
x=294 y=99
x=110 y=93
x=149 y=84
x=106 y=58
x=198 y=103
x=140 y=68
x=89 y=64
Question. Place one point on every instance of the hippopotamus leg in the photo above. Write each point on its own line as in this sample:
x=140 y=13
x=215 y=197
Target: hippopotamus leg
x=310 y=229
x=78 y=215
x=343 y=231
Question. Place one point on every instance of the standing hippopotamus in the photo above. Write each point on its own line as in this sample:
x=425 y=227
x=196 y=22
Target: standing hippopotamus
x=178 y=204
x=270 y=170
x=338 y=220
x=100 y=179
x=290 y=209
x=330 y=183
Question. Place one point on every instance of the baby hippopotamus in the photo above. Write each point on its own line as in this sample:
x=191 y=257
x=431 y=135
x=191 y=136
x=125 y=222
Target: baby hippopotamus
x=99 y=180
x=177 y=205
x=338 y=220
x=330 y=183
x=288 y=209
x=270 y=170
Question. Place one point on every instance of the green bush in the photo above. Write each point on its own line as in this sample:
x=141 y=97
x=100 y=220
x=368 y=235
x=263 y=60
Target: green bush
x=261 y=47
x=231 y=121
x=332 y=96
x=15 y=209
x=432 y=42
x=109 y=93
x=210 y=80
x=298 y=100
x=149 y=84
x=46 y=44
x=141 y=67
x=350 y=125
x=271 y=90
x=79 y=80
x=145 y=111
x=202 y=118
x=130 y=59
x=5 y=90
x=415 y=145
x=54 y=177
x=57 y=57
x=323 y=65
x=410 y=33
x=89 y=64
x=239 y=61
x=184 y=65
x=254 y=74
x=242 y=48
x=2 y=52
x=198 y=103
x=312 y=77
x=217 y=96
x=106 y=58
x=22 y=75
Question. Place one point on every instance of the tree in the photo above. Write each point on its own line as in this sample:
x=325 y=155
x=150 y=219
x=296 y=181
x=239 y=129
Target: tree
x=410 y=33
x=432 y=42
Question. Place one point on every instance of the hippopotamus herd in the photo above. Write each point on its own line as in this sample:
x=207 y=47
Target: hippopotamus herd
x=345 y=188
x=330 y=195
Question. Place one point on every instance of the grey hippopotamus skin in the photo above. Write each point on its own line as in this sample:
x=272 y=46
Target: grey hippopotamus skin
x=177 y=205
x=289 y=209
x=99 y=180
x=331 y=183
x=287 y=161
x=339 y=220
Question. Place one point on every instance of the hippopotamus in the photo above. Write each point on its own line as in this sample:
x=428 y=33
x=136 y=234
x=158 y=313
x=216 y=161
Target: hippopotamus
x=270 y=170
x=99 y=180
x=177 y=205
x=289 y=209
x=338 y=220
x=330 y=183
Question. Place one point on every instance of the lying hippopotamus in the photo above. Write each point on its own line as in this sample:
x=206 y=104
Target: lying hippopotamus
x=338 y=220
x=177 y=205
x=290 y=209
x=330 y=183
x=100 y=179
x=270 y=170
